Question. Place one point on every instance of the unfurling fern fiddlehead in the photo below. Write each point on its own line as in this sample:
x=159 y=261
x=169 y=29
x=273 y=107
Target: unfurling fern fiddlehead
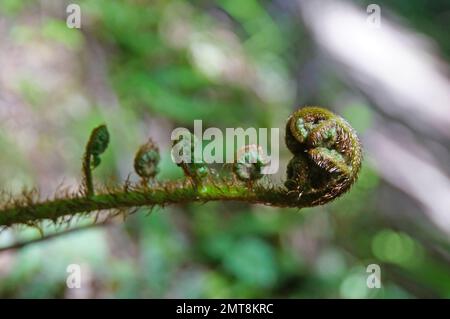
x=327 y=158
x=327 y=155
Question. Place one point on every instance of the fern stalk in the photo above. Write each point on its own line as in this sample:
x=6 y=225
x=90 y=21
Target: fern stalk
x=326 y=160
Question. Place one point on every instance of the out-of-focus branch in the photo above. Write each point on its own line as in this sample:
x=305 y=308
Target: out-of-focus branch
x=22 y=244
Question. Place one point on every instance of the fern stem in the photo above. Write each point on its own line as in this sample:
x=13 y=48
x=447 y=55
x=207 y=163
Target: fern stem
x=87 y=174
x=159 y=195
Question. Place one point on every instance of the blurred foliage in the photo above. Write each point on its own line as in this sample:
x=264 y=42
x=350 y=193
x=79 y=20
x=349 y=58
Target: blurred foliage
x=231 y=63
x=429 y=17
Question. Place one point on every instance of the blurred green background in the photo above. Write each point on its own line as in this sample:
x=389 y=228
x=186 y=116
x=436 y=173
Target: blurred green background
x=145 y=67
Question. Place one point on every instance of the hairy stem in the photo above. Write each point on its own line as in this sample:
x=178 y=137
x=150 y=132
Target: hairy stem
x=159 y=195
x=87 y=174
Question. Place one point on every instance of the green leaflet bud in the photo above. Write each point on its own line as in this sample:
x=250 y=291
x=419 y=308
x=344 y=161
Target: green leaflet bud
x=97 y=144
x=250 y=163
x=146 y=160
x=183 y=153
